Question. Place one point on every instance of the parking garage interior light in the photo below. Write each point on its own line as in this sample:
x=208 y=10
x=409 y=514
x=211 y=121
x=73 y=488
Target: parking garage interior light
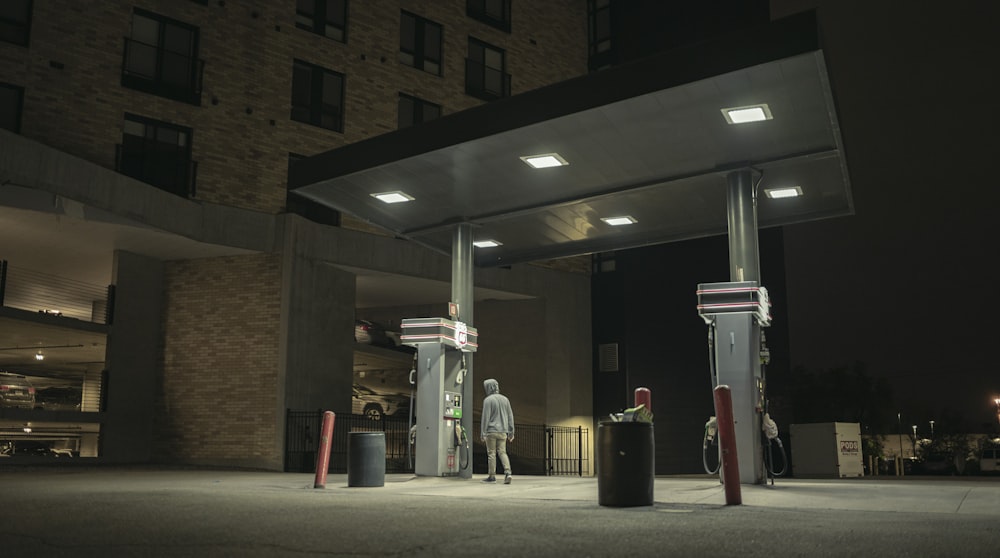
x=487 y=243
x=619 y=221
x=393 y=197
x=544 y=161
x=777 y=193
x=751 y=113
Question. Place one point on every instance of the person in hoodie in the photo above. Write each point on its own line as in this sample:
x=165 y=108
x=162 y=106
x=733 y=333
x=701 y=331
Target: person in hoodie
x=497 y=428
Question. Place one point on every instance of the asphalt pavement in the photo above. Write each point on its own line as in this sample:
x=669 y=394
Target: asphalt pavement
x=158 y=512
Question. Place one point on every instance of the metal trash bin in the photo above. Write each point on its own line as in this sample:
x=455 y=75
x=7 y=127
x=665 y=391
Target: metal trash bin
x=625 y=459
x=366 y=459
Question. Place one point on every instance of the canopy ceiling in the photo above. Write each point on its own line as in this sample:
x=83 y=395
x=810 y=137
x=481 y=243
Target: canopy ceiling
x=646 y=139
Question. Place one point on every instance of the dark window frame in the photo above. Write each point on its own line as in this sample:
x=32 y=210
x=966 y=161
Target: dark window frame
x=315 y=110
x=18 y=109
x=479 y=10
x=14 y=28
x=144 y=158
x=477 y=70
x=158 y=84
x=319 y=18
x=600 y=48
x=417 y=51
x=419 y=107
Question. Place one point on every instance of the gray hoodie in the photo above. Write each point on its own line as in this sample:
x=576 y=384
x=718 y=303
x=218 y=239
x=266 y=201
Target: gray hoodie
x=497 y=414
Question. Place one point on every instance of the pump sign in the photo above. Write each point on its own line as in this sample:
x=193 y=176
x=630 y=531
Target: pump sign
x=461 y=334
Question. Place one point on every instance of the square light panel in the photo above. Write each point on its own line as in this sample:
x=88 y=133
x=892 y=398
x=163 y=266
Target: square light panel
x=751 y=113
x=619 y=221
x=777 y=193
x=544 y=161
x=393 y=197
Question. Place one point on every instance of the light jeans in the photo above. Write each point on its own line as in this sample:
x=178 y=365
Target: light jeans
x=496 y=443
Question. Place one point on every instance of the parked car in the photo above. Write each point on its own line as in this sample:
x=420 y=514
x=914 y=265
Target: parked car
x=938 y=463
x=376 y=405
x=36 y=448
x=370 y=333
x=16 y=391
x=59 y=398
x=989 y=459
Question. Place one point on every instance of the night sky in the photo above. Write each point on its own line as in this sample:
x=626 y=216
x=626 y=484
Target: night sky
x=907 y=285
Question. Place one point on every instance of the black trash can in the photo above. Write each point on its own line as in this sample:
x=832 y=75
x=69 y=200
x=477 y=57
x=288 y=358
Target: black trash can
x=366 y=459
x=625 y=461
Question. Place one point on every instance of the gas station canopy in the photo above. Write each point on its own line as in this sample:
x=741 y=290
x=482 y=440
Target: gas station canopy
x=650 y=142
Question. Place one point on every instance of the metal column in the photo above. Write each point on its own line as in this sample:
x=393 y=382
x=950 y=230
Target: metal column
x=738 y=335
x=462 y=295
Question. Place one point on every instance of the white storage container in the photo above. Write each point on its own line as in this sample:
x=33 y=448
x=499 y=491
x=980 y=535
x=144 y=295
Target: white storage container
x=828 y=450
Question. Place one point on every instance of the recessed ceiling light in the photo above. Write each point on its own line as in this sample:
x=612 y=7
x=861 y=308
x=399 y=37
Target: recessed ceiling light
x=751 y=113
x=487 y=243
x=775 y=193
x=619 y=221
x=393 y=197
x=544 y=160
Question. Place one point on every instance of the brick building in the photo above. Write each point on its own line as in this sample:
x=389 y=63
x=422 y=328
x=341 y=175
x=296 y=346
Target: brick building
x=146 y=146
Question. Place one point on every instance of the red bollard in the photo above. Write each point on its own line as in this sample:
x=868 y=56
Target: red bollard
x=325 y=441
x=643 y=397
x=727 y=443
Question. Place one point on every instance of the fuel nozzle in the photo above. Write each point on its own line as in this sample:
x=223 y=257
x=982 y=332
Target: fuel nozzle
x=769 y=427
x=711 y=429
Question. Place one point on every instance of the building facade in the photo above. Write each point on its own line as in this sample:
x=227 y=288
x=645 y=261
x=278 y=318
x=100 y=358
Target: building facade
x=146 y=148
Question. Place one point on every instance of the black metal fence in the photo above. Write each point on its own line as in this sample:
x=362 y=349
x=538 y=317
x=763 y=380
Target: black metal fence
x=537 y=449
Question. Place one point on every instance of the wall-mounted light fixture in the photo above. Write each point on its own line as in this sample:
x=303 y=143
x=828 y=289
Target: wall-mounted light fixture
x=39 y=356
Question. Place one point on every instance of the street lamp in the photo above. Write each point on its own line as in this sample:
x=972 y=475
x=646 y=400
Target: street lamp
x=997 y=401
x=932 y=429
x=899 y=423
x=914 y=440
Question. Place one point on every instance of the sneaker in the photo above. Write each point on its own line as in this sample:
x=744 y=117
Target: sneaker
x=490 y=479
x=506 y=478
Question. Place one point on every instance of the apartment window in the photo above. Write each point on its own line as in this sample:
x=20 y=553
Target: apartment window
x=11 y=104
x=485 y=75
x=157 y=153
x=420 y=43
x=15 y=21
x=318 y=96
x=161 y=57
x=491 y=12
x=599 y=34
x=323 y=17
x=414 y=111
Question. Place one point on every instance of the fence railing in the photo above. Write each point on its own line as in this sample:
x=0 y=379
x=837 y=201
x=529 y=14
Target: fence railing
x=40 y=292
x=537 y=449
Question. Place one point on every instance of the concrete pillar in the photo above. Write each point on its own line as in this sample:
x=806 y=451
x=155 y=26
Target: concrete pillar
x=462 y=295
x=738 y=336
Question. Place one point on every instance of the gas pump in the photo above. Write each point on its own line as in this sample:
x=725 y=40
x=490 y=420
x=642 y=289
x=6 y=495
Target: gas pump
x=735 y=312
x=441 y=441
